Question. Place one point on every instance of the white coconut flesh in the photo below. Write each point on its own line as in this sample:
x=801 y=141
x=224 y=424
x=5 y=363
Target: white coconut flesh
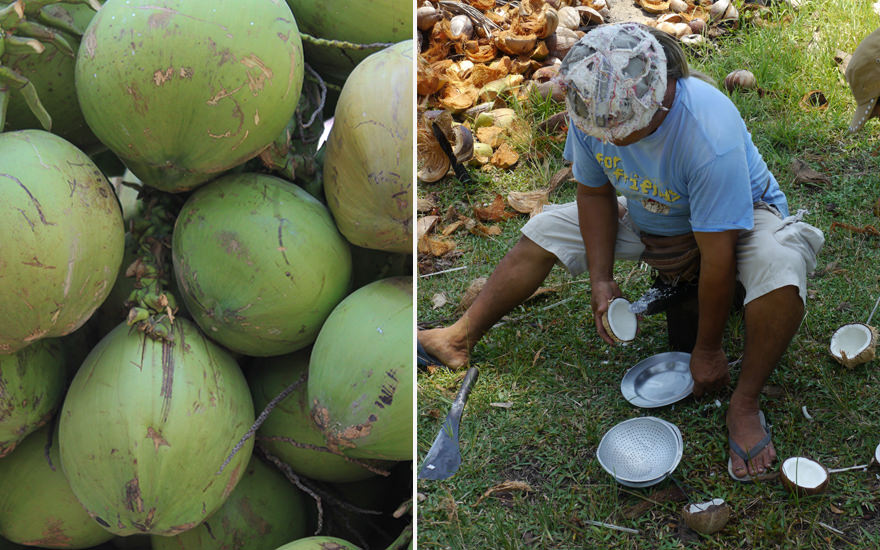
x=877 y=454
x=703 y=506
x=621 y=320
x=804 y=472
x=851 y=340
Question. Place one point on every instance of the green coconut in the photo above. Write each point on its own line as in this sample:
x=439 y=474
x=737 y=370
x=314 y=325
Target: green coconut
x=259 y=263
x=133 y=542
x=51 y=73
x=32 y=383
x=147 y=425
x=37 y=507
x=9 y=545
x=360 y=385
x=368 y=166
x=263 y=511
x=62 y=238
x=356 y=22
x=182 y=90
x=370 y=265
x=319 y=543
x=290 y=419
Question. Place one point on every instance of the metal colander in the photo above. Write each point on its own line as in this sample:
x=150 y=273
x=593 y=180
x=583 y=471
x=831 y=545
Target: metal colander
x=640 y=450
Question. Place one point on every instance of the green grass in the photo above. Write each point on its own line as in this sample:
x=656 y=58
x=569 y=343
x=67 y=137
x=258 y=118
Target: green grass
x=563 y=382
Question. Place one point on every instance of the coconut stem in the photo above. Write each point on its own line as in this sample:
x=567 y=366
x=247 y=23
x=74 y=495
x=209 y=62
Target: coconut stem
x=342 y=43
x=4 y=104
x=309 y=446
x=403 y=540
x=152 y=306
x=295 y=479
x=262 y=418
x=321 y=100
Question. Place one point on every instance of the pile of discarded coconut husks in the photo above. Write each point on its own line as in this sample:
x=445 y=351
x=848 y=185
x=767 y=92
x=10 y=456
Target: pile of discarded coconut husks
x=475 y=55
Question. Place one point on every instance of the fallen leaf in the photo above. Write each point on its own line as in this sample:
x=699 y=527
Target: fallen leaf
x=425 y=224
x=504 y=157
x=481 y=230
x=773 y=392
x=661 y=496
x=506 y=487
x=435 y=246
x=450 y=229
x=833 y=268
x=505 y=405
x=528 y=202
x=495 y=212
x=805 y=175
x=439 y=300
x=834 y=509
x=542 y=291
x=471 y=292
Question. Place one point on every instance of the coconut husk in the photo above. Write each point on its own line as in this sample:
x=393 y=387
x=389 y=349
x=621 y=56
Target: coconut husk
x=515 y=44
x=457 y=96
x=504 y=157
x=654 y=7
x=429 y=79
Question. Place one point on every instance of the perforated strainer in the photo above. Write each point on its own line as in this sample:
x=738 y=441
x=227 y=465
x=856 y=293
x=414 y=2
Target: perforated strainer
x=640 y=450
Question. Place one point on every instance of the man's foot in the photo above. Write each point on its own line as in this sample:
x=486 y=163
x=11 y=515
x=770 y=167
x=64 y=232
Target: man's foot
x=745 y=429
x=443 y=345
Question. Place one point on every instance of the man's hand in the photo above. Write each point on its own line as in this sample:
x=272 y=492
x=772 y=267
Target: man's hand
x=603 y=293
x=709 y=370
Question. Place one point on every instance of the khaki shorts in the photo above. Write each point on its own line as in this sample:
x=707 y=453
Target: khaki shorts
x=777 y=252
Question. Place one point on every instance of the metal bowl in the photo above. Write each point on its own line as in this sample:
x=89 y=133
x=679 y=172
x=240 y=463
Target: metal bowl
x=640 y=451
x=659 y=380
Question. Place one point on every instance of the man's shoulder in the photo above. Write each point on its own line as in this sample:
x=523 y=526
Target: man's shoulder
x=710 y=116
x=701 y=97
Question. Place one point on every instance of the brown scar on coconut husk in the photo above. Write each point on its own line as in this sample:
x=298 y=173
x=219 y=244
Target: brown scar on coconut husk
x=340 y=438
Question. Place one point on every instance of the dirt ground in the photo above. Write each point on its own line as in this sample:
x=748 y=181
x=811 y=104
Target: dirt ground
x=626 y=10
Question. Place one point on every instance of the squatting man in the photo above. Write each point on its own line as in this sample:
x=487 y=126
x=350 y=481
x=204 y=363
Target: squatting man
x=667 y=174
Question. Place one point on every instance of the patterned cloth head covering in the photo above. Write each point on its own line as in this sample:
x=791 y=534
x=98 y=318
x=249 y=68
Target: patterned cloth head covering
x=614 y=79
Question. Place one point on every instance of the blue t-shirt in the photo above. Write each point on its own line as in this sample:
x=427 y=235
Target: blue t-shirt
x=698 y=171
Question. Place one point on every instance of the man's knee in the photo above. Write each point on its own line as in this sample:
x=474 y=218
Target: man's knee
x=533 y=251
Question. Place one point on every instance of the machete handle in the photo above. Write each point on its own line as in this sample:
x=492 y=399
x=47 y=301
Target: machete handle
x=466 y=385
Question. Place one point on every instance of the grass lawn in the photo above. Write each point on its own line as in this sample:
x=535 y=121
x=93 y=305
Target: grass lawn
x=549 y=388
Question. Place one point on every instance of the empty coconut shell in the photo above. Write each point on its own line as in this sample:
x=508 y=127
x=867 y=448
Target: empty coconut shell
x=803 y=476
x=619 y=322
x=707 y=517
x=854 y=344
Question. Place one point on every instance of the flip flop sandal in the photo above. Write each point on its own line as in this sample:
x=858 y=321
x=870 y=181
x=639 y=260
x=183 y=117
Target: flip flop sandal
x=425 y=359
x=753 y=452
